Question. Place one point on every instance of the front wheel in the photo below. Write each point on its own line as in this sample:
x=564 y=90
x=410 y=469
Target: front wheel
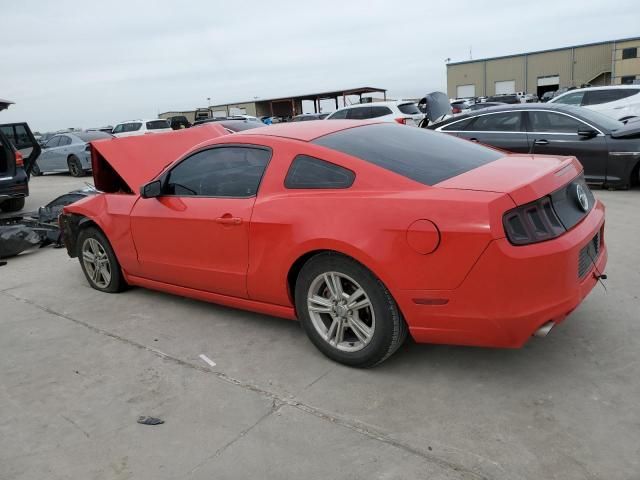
x=347 y=312
x=99 y=262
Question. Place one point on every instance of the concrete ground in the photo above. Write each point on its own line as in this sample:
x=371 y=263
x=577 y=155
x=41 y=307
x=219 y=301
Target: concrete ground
x=77 y=368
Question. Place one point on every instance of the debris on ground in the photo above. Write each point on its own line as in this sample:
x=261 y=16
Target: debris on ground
x=27 y=231
x=143 y=420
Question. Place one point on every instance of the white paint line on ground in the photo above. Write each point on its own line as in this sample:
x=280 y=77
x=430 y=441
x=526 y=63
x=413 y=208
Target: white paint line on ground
x=207 y=360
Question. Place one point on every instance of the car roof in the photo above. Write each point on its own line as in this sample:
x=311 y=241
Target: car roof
x=308 y=131
x=520 y=106
x=587 y=89
x=380 y=104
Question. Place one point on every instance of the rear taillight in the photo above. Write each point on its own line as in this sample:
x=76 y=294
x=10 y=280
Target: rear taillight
x=532 y=223
x=403 y=120
x=455 y=110
x=19 y=160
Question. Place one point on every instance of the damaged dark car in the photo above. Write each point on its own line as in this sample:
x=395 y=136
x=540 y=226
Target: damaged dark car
x=18 y=153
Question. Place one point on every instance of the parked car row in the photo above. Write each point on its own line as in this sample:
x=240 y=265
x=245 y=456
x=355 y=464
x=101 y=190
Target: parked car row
x=608 y=149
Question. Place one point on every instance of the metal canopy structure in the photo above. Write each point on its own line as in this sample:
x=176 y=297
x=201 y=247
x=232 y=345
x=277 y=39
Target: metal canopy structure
x=317 y=97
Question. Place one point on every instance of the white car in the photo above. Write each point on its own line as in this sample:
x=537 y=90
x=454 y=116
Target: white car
x=404 y=112
x=132 y=128
x=620 y=102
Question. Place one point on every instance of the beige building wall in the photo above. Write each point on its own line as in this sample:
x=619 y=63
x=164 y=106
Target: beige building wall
x=574 y=65
x=465 y=74
x=628 y=67
x=505 y=69
x=591 y=62
x=547 y=64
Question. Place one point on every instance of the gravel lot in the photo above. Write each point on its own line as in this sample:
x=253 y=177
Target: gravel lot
x=77 y=368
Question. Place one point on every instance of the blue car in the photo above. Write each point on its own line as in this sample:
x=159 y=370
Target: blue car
x=68 y=152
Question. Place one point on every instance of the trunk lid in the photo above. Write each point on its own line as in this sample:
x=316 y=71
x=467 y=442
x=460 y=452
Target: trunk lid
x=525 y=178
x=125 y=164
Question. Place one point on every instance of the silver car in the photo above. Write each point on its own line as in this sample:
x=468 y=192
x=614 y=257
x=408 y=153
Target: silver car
x=67 y=152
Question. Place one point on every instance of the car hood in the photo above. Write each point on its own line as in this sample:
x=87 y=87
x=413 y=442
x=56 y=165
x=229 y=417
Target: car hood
x=127 y=163
x=524 y=178
x=630 y=130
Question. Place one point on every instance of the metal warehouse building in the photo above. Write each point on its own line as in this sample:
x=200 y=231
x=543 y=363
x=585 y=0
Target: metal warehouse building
x=613 y=62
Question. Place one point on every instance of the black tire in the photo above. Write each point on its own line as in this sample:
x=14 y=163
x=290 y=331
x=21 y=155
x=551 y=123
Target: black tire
x=12 y=205
x=35 y=170
x=390 y=328
x=75 y=167
x=116 y=282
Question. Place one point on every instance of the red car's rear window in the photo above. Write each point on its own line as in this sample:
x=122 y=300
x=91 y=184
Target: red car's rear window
x=422 y=155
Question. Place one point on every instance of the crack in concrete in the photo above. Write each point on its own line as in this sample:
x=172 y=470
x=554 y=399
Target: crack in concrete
x=350 y=424
x=275 y=406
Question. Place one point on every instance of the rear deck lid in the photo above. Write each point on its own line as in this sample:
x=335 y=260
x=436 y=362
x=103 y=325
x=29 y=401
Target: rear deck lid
x=524 y=177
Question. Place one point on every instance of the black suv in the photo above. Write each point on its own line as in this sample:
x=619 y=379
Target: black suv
x=18 y=152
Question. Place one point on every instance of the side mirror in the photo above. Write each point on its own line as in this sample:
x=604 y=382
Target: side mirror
x=587 y=132
x=151 y=189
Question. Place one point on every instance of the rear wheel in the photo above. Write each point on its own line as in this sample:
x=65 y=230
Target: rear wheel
x=347 y=312
x=75 y=167
x=12 y=205
x=98 y=261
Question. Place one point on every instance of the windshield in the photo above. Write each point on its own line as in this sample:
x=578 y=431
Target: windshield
x=409 y=108
x=157 y=124
x=93 y=135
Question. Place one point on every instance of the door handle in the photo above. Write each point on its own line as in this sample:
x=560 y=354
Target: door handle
x=541 y=142
x=227 y=219
x=474 y=140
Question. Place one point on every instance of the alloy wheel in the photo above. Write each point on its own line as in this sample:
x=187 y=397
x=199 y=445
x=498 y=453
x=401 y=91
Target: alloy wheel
x=96 y=262
x=341 y=311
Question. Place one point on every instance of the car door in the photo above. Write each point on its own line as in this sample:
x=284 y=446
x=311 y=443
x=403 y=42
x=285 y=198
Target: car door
x=556 y=133
x=196 y=233
x=47 y=161
x=63 y=152
x=503 y=130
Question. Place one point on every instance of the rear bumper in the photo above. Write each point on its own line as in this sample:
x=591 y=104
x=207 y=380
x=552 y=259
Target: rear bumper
x=16 y=186
x=510 y=292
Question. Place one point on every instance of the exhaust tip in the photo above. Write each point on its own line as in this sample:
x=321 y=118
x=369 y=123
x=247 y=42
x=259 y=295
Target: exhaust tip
x=544 y=330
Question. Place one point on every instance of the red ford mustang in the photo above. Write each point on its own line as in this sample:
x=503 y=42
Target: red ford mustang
x=363 y=231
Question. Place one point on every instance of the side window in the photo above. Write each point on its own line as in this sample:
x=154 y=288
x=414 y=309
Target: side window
x=457 y=126
x=219 y=172
x=379 y=112
x=359 y=113
x=553 y=123
x=8 y=132
x=595 y=97
x=22 y=137
x=64 y=141
x=497 y=122
x=118 y=128
x=571 y=99
x=310 y=172
x=339 y=115
x=53 y=142
x=133 y=127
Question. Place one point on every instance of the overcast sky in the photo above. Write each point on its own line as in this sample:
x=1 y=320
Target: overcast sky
x=87 y=64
